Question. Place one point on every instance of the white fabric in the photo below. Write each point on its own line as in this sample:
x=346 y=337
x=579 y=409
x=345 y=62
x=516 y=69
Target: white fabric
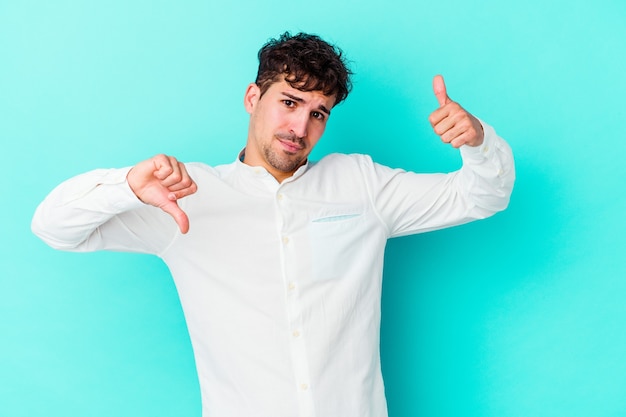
x=281 y=283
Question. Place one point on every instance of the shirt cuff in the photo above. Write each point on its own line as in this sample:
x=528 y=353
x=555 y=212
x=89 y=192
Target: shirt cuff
x=130 y=200
x=486 y=149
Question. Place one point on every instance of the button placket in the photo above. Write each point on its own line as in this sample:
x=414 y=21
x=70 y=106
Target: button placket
x=297 y=335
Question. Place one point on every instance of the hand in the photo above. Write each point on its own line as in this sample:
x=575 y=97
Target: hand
x=160 y=181
x=451 y=122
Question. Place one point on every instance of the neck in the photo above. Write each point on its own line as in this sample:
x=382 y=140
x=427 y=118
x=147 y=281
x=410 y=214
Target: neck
x=279 y=175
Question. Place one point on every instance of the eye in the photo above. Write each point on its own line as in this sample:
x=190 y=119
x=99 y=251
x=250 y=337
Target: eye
x=289 y=103
x=318 y=115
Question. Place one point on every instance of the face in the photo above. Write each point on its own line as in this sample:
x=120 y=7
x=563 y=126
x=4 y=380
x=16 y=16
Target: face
x=285 y=125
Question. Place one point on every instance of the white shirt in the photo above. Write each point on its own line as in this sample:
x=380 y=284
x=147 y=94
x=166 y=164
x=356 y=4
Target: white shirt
x=281 y=283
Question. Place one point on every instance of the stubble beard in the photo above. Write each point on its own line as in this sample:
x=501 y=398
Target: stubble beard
x=281 y=160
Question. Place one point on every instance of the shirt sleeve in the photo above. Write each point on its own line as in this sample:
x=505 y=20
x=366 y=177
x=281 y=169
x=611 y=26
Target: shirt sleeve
x=409 y=203
x=98 y=211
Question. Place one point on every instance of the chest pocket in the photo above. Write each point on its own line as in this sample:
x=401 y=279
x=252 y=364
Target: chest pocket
x=335 y=244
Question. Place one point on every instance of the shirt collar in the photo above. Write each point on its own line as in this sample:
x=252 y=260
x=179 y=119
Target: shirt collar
x=259 y=171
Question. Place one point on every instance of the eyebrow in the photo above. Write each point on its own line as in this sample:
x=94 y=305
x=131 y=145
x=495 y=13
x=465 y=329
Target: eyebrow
x=301 y=100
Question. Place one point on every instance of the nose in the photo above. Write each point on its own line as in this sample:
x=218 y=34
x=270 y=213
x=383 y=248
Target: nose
x=299 y=124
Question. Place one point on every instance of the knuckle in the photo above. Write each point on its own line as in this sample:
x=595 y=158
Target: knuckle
x=161 y=159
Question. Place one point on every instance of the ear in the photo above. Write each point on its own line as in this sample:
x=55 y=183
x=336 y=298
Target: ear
x=251 y=98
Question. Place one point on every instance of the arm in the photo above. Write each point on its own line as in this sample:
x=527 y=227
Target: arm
x=488 y=171
x=413 y=203
x=115 y=209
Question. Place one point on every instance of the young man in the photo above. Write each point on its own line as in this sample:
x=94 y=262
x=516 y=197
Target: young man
x=278 y=260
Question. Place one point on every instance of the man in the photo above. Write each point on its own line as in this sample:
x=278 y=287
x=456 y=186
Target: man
x=278 y=260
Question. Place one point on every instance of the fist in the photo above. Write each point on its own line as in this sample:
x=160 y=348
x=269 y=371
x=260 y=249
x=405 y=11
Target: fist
x=160 y=181
x=451 y=122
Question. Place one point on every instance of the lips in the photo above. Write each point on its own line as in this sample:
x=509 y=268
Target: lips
x=290 y=145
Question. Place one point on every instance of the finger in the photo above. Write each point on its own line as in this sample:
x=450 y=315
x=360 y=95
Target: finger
x=438 y=115
x=444 y=120
x=453 y=134
x=458 y=139
x=462 y=139
x=450 y=111
x=175 y=175
x=162 y=167
x=176 y=194
x=180 y=217
x=439 y=87
x=179 y=179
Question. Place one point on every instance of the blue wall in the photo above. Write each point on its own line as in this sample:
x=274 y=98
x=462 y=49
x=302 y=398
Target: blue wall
x=519 y=315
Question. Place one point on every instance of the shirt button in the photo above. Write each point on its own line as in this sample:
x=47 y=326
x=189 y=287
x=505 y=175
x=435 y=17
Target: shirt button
x=280 y=197
x=486 y=149
x=291 y=286
x=285 y=240
x=296 y=333
x=304 y=387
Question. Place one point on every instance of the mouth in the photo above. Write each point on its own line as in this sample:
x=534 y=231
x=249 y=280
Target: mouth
x=289 y=145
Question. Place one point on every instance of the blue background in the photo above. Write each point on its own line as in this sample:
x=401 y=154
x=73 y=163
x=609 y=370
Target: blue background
x=520 y=315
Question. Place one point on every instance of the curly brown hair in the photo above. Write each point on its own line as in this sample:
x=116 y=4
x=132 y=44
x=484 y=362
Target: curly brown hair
x=307 y=62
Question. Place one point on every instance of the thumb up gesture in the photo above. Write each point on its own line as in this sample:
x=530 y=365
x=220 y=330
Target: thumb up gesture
x=451 y=122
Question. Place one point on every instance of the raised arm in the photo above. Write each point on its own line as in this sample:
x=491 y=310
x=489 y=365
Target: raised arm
x=413 y=203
